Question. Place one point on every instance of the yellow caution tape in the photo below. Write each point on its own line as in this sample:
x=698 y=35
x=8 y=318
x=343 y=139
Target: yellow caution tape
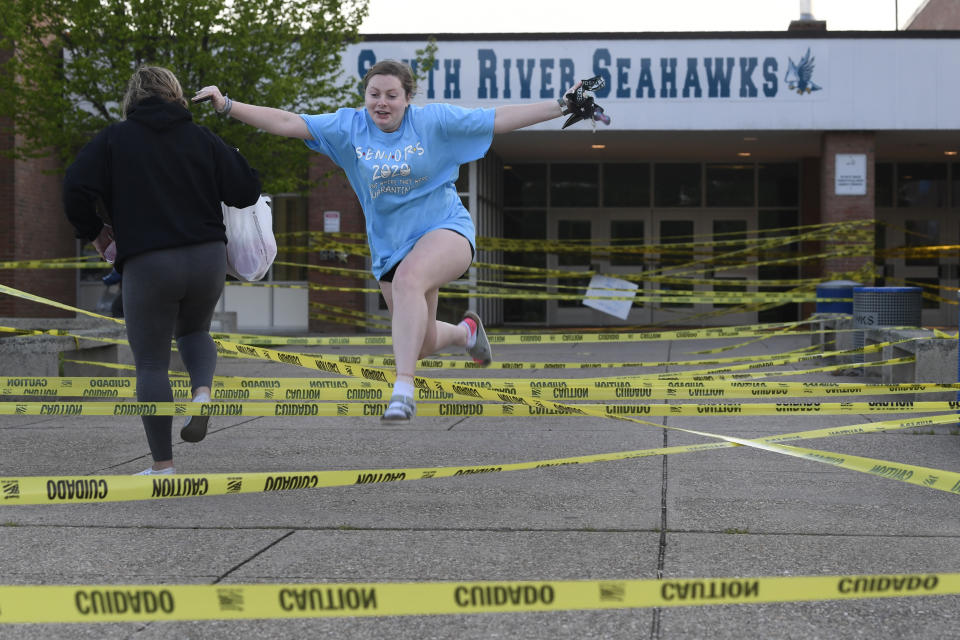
x=702 y=379
x=7 y=388
x=72 y=262
x=849 y=462
x=53 y=303
x=569 y=337
x=352 y=322
x=585 y=336
x=796 y=355
x=932 y=478
x=15 y=491
x=50 y=264
x=336 y=389
x=343 y=403
x=668 y=297
x=131 y=602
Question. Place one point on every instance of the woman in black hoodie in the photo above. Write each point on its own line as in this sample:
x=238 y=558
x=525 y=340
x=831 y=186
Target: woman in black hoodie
x=161 y=178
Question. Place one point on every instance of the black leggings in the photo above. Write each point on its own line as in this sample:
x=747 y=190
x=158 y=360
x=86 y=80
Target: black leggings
x=171 y=293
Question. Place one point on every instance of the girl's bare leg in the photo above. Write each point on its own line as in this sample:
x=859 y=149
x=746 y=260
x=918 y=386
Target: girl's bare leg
x=439 y=257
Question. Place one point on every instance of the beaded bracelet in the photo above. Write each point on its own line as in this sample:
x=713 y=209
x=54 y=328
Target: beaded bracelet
x=226 y=107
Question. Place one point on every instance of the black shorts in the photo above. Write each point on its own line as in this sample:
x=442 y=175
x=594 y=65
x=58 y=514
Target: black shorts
x=388 y=276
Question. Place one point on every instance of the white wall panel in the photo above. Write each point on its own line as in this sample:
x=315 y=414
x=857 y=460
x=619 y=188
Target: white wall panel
x=905 y=82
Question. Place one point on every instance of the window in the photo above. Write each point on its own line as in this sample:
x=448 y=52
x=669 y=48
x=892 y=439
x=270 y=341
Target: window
x=290 y=228
x=779 y=184
x=727 y=232
x=678 y=232
x=676 y=185
x=626 y=185
x=922 y=184
x=573 y=232
x=883 y=189
x=524 y=225
x=574 y=185
x=922 y=233
x=777 y=222
x=627 y=233
x=525 y=185
x=956 y=184
x=729 y=185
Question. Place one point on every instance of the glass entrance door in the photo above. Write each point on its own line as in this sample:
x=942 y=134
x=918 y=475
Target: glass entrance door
x=907 y=261
x=682 y=226
x=699 y=249
x=592 y=229
x=699 y=253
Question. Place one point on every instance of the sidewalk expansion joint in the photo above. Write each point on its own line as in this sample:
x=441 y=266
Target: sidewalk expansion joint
x=258 y=553
x=657 y=613
x=141 y=457
x=457 y=423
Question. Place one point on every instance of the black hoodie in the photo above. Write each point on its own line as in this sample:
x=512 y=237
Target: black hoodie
x=161 y=178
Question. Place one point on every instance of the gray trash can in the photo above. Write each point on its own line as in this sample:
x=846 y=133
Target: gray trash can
x=875 y=307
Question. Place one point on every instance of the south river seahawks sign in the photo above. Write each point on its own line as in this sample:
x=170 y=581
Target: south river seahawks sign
x=737 y=83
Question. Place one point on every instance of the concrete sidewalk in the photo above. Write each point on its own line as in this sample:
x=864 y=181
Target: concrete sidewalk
x=723 y=513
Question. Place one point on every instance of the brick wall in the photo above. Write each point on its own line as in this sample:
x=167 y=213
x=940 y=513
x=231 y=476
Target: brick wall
x=334 y=193
x=7 y=239
x=31 y=216
x=834 y=208
x=42 y=231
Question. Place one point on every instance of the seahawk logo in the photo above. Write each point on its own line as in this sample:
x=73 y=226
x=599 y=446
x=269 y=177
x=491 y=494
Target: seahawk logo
x=799 y=76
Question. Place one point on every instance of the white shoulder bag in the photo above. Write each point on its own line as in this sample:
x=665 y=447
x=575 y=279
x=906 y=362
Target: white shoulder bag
x=251 y=247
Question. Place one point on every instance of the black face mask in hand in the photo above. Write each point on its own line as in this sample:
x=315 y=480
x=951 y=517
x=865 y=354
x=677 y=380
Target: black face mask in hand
x=581 y=104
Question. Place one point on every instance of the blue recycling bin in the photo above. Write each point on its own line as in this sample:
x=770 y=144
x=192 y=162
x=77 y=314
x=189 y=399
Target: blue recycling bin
x=827 y=292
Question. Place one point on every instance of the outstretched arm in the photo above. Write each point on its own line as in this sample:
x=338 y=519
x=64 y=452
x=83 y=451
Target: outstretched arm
x=517 y=116
x=275 y=121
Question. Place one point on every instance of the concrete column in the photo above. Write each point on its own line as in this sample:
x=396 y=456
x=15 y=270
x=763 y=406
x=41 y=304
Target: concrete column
x=842 y=208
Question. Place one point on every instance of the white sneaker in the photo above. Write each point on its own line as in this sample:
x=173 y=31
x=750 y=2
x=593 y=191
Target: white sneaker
x=401 y=409
x=150 y=471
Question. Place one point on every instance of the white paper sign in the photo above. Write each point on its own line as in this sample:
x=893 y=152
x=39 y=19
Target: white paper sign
x=331 y=222
x=607 y=287
x=850 y=174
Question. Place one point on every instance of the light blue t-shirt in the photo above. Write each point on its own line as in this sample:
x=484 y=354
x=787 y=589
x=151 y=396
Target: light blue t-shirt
x=405 y=179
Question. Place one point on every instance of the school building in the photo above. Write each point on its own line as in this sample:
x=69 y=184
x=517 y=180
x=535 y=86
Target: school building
x=714 y=136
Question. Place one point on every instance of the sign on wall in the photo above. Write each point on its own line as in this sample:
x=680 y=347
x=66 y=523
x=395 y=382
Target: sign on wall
x=850 y=174
x=703 y=84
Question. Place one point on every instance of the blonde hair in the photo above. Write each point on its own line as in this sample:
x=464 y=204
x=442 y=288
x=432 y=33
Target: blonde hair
x=149 y=81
